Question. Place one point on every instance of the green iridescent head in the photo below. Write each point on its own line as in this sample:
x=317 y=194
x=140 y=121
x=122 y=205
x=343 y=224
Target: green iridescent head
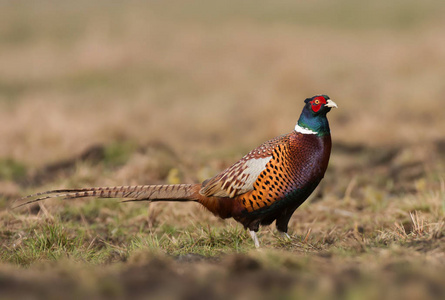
x=313 y=117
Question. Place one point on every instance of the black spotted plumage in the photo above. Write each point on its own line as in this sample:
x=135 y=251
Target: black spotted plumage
x=288 y=179
x=266 y=185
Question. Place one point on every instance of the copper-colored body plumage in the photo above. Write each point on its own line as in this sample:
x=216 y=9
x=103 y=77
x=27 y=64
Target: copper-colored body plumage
x=296 y=163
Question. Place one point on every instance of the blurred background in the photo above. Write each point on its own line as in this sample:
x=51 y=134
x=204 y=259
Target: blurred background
x=211 y=76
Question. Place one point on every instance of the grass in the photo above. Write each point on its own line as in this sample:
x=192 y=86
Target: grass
x=337 y=253
x=100 y=94
x=11 y=169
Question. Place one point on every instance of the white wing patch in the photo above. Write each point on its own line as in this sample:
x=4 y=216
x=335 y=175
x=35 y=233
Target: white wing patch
x=253 y=169
x=236 y=180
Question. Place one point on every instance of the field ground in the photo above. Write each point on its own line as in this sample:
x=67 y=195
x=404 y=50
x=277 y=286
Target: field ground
x=95 y=94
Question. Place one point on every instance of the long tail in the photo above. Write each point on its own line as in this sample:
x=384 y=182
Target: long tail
x=169 y=192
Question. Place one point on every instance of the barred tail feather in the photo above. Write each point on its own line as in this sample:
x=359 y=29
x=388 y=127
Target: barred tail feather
x=168 y=192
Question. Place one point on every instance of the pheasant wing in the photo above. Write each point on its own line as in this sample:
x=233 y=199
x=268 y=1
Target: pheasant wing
x=240 y=177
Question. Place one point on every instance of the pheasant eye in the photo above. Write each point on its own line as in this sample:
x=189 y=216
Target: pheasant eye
x=317 y=102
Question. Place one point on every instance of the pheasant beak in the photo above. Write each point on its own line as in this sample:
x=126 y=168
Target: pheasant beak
x=331 y=103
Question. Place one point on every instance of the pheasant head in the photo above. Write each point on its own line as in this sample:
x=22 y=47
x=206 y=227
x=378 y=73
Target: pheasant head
x=313 y=117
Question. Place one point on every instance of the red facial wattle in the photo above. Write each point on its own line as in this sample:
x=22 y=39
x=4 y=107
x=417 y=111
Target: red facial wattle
x=317 y=102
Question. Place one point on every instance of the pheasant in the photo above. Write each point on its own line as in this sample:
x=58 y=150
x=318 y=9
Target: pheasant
x=268 y=184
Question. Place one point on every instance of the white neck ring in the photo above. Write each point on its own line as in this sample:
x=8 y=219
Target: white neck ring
x=302 y=130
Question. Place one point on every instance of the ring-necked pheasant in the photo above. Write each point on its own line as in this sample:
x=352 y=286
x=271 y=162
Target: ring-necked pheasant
x=268 y=184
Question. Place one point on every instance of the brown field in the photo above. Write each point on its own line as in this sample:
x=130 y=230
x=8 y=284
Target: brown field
x=94 y=93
